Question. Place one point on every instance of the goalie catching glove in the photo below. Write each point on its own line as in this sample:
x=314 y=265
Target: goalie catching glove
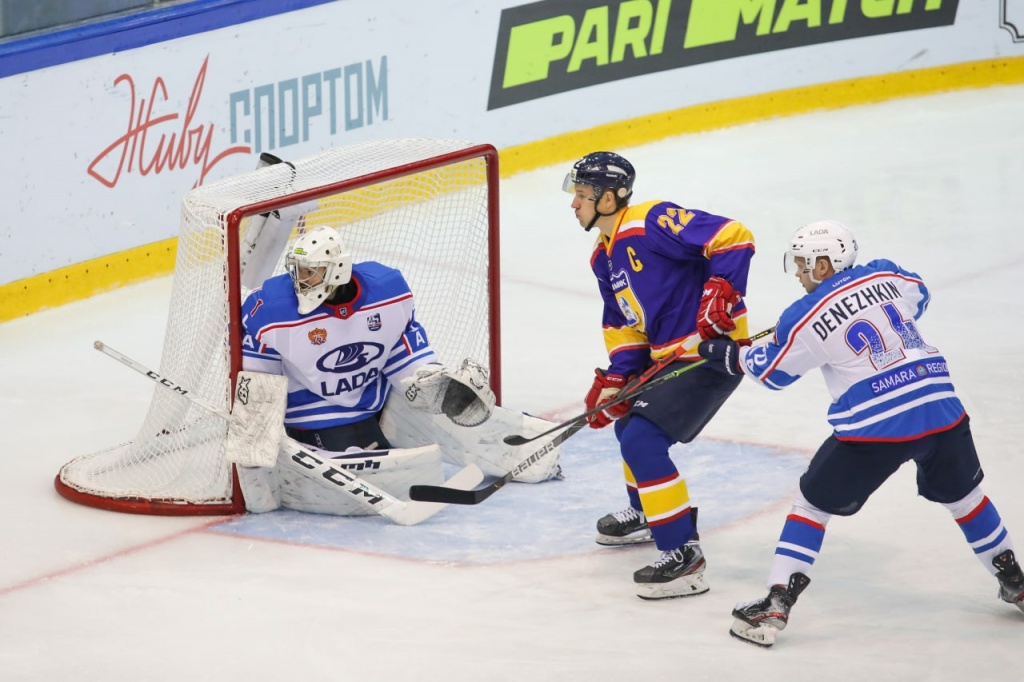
x=463 y=395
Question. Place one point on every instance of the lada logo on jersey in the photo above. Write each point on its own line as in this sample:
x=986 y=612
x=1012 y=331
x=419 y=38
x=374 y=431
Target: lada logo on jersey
x=317 y=336
x=373 y=322
x=350 y=357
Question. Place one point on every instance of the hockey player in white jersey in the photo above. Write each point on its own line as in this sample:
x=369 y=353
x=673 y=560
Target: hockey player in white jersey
x=892 y=402
x=345 y=335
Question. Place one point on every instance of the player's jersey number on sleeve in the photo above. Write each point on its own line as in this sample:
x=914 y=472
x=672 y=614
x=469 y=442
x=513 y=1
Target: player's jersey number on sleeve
x=675 y=219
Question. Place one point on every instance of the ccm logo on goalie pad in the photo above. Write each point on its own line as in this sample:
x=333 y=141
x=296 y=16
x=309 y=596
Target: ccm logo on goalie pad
x=308 y=461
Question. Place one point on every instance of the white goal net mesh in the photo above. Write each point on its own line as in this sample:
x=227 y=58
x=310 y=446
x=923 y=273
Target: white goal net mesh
x=425 y=206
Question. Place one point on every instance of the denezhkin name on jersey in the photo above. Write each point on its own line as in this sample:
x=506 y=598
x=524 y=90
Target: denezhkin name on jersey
x=847 y=307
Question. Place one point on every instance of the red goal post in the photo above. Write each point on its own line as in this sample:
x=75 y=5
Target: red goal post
x=428 y=207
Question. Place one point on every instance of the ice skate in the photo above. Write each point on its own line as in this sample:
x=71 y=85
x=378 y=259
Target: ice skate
x=1011 y=579
x=626 y=527
x=677 y=573
x=759 y=621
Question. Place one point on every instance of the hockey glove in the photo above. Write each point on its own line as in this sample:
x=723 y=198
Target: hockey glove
x=722 y=354
x=605 y=387
x=715 y=315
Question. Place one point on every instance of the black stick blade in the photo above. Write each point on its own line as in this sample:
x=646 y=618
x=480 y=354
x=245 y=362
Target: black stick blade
x=516 y=440
x=436 y=493
x=443 y=495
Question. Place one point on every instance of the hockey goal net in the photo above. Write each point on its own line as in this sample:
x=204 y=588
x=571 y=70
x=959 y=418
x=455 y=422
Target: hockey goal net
x=428 y=207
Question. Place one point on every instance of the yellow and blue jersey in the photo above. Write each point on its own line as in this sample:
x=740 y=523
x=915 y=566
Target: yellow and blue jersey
x=651 y=274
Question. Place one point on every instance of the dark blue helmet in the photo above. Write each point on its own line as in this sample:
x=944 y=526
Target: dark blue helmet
x=603 y=171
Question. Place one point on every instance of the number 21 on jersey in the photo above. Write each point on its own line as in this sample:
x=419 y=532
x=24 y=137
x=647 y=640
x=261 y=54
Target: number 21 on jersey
x=863 y=336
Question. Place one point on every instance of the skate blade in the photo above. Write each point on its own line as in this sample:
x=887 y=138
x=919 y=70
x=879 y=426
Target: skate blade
x=683 y=586
x=758 y=635
x=613 y=541
x=1017 y=601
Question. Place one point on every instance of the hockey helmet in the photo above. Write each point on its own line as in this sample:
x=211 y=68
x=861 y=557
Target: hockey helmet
x=603 y=171
x=827 y=238
x=318 y=262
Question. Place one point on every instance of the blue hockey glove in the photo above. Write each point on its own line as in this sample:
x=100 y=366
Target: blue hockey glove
x=722 y=355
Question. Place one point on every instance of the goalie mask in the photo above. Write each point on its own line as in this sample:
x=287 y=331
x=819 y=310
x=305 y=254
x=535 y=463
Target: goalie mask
x=822 y=238
x=318 y=263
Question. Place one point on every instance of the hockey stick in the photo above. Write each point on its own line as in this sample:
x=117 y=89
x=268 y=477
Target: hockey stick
x=440 y=494
x=433 y=493
x=443 y=495
x=381 y=502
x=639 y=385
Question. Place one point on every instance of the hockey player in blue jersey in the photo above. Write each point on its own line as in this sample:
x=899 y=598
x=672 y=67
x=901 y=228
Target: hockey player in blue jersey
x=668 y=276
x=892 y=402
x=290 y=322
x=344 y=334
x=365 y=384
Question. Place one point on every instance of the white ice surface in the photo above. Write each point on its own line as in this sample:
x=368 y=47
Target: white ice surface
x=514 y=589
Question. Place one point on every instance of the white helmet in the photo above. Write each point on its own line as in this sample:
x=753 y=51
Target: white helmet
x=318 y=262
x=821 y=238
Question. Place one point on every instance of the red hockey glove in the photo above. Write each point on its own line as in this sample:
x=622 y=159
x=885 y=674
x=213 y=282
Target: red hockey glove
x=605 y=387
x=722 y=354
x=715 y=315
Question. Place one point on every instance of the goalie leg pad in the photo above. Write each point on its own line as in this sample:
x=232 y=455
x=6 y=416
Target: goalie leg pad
x=256 y=425
x=393 y=471
x=261 y=488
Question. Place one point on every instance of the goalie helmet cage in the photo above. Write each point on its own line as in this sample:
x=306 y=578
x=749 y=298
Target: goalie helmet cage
x=428 y=207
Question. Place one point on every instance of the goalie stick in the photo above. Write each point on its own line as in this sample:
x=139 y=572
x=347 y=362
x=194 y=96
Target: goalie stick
x=443 y=495
x=639 y=385
x=381 y=502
